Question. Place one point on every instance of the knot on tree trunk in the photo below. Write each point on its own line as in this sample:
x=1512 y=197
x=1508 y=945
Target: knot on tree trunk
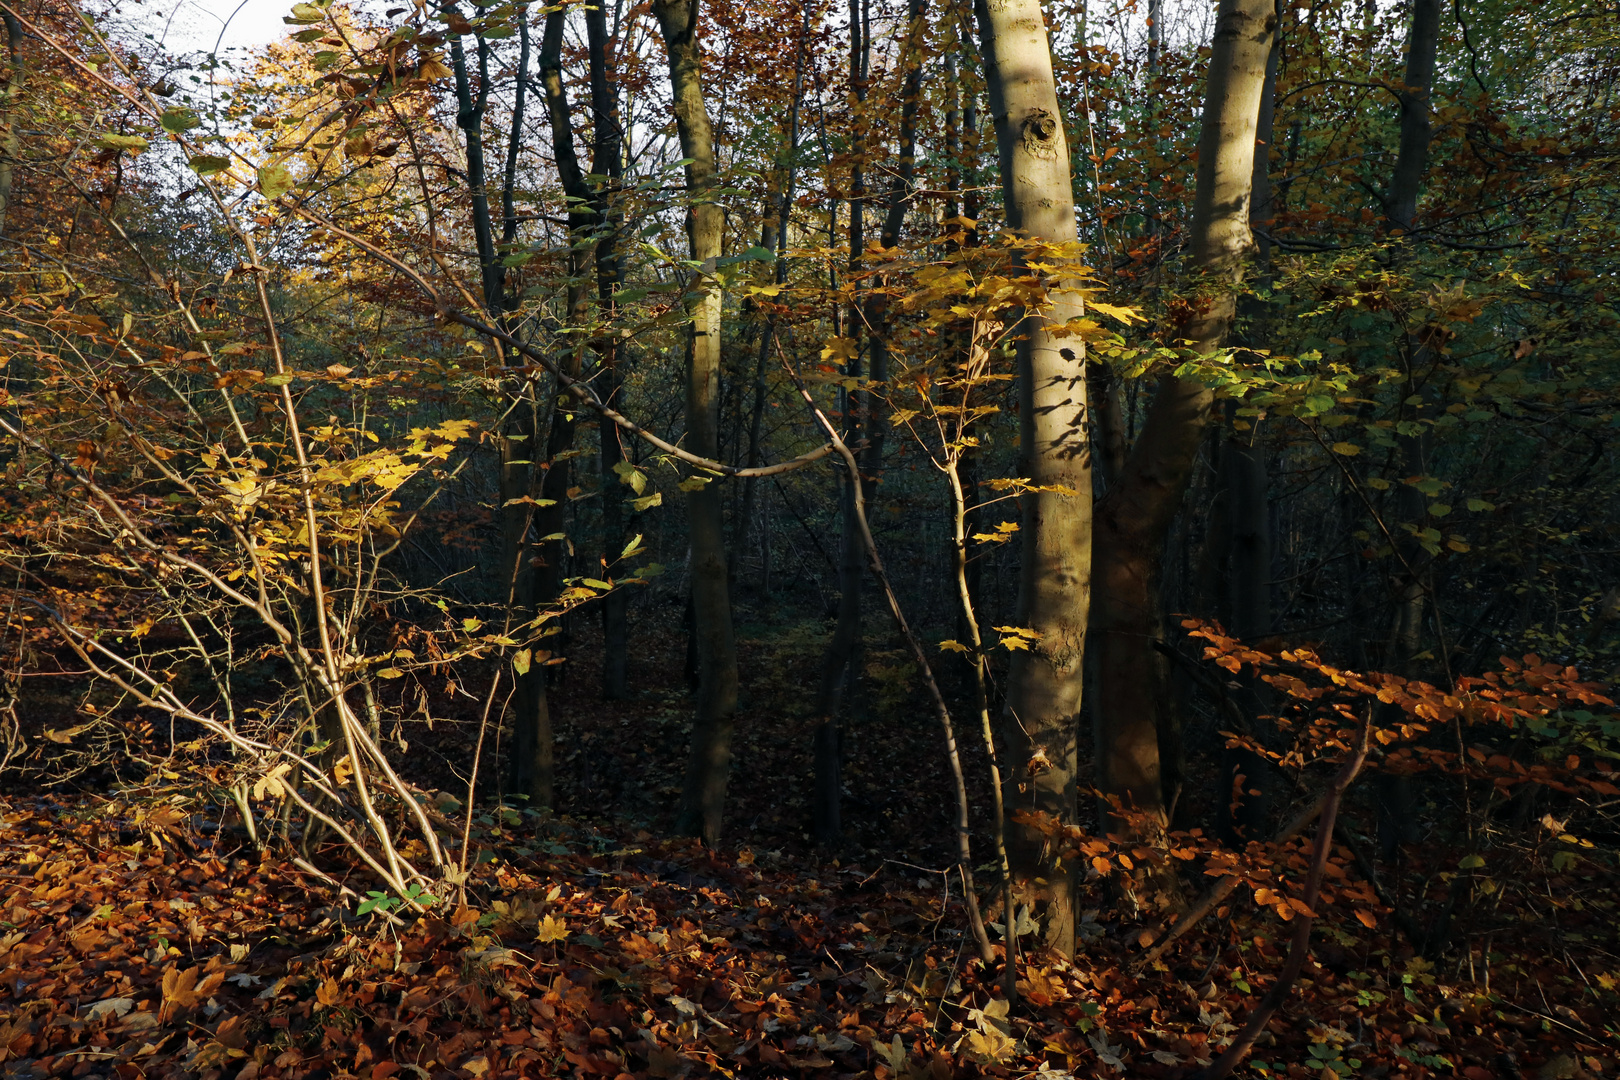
x=1040 y=133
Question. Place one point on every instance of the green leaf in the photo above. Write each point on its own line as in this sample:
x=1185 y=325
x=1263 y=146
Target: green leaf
x=304 y=13
x=596 y=583
x=209 y=164
x=1471 y=862
x=646 y=501
x=134 y=144
x=1480 y=506
x=281 y=379
x=517 y=258
x=274 y=181
x=520 y=661
x=1317 y=404
x=178 y=120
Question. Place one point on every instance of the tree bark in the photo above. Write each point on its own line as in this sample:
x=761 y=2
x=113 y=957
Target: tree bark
x=533 y=742
x=1422 y=46
x=703 y=801
x=1044 y=684
x=10 y=144
x=1134 y=518
x=775 y=237
x=839 y=662
x=470 y=118
x=530 y=766
x=607 y=161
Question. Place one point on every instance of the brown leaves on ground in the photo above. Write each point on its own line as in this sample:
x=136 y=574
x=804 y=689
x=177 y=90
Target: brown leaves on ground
x=620 y=956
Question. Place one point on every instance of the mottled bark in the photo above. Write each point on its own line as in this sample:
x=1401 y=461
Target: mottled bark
x=1044 y=683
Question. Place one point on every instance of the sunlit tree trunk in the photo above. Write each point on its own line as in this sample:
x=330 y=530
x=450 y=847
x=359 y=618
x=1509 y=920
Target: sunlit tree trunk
x=703 y=801
x=1243 y=461
x=1044 y=684
x=1134 y=518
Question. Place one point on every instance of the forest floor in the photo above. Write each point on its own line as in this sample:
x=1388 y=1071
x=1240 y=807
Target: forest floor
x=140 y=936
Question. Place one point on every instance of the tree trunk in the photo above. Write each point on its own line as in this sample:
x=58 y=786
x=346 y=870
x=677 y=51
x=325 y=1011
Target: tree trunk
x=533 y=742
x=1044 y=684
x=775 y=238
x=1422 y=46
x=607 y=160
x=703 y=802
x=530 y=767
x=838 y=665
x=1243 y=462
x=470 y=118
x=10 y=144
x=1134 y=518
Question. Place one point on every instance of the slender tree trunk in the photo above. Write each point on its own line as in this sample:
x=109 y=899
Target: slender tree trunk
x=1243 y=462
x=1054 y=594
x=10 y=144
x=1422 y=46
x=607 y=161
x=703 y=802
x=1134 y=518
x=775 y=237
x=533 y=742
x=838 y=665
x=531 y=763
x=1406 y=183
x=470 y=118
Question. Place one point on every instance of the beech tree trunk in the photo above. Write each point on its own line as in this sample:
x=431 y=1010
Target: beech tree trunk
x=1044 y=684
x=703 y=801
x=1134 y=518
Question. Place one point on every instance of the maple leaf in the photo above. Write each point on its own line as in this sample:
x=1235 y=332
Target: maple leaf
x=184 y=989
x=552 y=928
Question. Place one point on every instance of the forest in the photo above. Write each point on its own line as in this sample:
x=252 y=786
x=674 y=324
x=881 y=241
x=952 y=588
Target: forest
x=893 y=539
